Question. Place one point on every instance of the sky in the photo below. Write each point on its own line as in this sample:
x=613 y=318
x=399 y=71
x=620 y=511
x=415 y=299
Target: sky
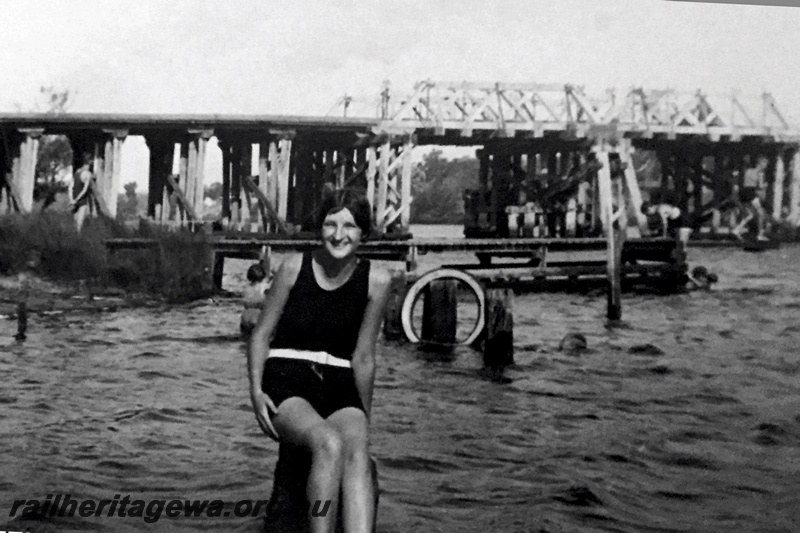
x=301 y=57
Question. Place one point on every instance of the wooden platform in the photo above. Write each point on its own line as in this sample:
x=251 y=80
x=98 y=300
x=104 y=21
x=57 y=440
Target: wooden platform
x=642 y=259
x=249 y=247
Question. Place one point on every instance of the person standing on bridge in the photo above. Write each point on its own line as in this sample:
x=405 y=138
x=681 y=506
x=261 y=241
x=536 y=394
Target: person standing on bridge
x=80 y=195
x=311 y=361
x=753 y=196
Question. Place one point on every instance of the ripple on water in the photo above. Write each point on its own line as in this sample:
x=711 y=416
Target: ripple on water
x=771 y=434
x=152 y=375
x=578 y=495
x=148 y=355
x=704 y=430
x=419 y=464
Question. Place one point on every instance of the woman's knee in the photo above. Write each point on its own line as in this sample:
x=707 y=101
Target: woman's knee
x=356 y=450
x=327 y=443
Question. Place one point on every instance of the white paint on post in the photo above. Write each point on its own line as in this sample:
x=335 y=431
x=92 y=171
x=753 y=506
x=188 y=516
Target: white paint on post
x=29 y=151
x=283 y=177
x=405 y=185
x=372 y=171
x=794 y=200
x=777 y=188
x=383 y=185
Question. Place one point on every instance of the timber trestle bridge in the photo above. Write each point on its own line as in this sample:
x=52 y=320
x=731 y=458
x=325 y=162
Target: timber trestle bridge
x=559 y=170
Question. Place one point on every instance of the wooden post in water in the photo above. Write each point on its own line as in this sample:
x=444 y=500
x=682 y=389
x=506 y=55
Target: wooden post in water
x=392 y=324
x=22 y=321
x=498 y=347
x=287 y=511
x=439 y=316
x=218 y=262
x=612 y=232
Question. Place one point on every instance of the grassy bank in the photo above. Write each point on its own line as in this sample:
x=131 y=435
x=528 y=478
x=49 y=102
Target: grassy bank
x=47 y=244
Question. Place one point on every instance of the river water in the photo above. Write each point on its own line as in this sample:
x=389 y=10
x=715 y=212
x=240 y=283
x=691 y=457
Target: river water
x=697 y=432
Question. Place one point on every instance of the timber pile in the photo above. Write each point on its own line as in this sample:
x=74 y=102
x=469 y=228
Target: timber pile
x=287 y=511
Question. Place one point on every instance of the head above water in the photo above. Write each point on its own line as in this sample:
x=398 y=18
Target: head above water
x=353 y=201
x=256 y=273
x=573 y=342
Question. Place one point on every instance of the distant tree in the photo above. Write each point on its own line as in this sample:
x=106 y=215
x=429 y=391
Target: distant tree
x=128 y=206
x=437 y=187
x=55 y=153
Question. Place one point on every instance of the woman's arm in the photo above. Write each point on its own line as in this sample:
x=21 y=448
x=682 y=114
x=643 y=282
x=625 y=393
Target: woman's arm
x=364 y=355
x=258 y=347
x=86 y=177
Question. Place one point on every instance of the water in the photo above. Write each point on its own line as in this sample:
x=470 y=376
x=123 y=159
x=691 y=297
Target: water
x=700 y=434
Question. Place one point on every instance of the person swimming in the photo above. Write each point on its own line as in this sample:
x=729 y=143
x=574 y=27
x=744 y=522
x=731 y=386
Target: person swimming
x=253 y=299
x=700 y=279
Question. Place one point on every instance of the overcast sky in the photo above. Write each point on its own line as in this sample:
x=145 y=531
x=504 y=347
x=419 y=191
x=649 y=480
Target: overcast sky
x=300 y=57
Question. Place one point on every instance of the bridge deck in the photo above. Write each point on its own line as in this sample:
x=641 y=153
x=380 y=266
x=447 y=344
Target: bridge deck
x=499 y=246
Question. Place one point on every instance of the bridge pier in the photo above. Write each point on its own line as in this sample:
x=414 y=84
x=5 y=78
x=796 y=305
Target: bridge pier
x=794 y=190
x=10 y=149
x=162 y=150
x=26 y=176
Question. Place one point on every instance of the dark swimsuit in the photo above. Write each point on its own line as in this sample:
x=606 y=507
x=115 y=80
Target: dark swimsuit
x=318 y=320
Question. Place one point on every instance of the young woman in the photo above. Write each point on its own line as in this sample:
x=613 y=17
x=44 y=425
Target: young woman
x=312 y=361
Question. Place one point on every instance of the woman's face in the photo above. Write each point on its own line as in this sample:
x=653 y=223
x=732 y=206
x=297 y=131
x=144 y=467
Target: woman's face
x=341 y=236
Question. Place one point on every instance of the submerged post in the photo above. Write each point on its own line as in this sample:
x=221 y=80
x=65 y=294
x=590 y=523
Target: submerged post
x=613 y=233
x=288 y=506
x=218 y=269
x=392 y=324
x=22 y=321
x=498 y=348
x=439 y=316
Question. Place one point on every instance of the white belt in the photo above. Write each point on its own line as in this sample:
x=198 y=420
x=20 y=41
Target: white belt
x=323 y=358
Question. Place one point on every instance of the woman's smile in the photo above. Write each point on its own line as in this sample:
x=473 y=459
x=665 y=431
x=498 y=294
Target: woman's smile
x=340 y=234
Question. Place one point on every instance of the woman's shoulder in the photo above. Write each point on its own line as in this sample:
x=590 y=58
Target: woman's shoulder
x=379 y=279
x=291 y=263
x=289 y=268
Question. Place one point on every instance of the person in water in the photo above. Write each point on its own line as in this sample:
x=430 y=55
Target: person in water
x=700 y=279
x=753 y=196
x=80 y=194
x=253 y=298
x=311 y=361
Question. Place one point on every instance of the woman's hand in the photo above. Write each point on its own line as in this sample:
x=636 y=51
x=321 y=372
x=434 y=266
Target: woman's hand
x=263 y=406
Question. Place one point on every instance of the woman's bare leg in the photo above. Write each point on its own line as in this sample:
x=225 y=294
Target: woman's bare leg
x=358 y=495
x=298 y=423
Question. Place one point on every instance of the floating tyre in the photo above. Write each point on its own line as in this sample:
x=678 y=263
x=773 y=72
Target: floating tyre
x=415 y=291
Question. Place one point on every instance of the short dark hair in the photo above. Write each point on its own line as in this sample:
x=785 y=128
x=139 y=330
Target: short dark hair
x=256 y=272
x=354 y=201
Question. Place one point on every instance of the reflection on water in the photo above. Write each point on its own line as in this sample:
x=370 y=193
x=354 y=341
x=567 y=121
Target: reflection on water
x=698 y=432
